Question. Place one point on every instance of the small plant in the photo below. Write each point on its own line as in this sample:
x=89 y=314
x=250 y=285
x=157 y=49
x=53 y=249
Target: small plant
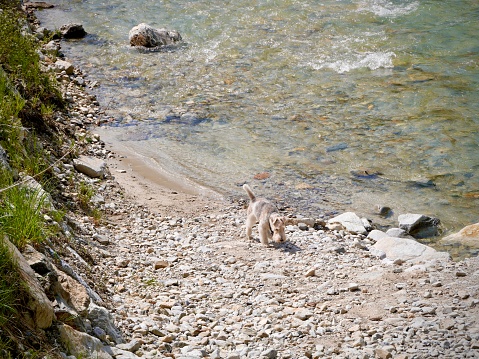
x=96 y=214
x=47 y=110
x=85 y=194
x=150 y=282
x=8 y=276
x=20 y=215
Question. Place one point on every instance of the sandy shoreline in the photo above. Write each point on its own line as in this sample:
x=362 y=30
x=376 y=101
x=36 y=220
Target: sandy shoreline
x=149 y=184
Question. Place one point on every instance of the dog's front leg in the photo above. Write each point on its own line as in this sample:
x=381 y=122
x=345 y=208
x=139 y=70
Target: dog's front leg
x=264 y=232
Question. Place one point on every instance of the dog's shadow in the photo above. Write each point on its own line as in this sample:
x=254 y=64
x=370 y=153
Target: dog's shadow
x=287 y=247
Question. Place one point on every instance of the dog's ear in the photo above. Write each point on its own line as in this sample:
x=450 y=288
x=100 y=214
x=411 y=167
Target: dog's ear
x=278 y=221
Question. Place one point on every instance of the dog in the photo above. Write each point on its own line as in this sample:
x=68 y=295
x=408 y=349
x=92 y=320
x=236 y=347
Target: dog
x=270 y=223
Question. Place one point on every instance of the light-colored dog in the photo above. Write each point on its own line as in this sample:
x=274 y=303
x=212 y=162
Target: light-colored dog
x=270 y=222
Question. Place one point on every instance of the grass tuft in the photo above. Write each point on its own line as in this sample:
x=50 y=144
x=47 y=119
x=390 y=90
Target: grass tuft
x=21 y=214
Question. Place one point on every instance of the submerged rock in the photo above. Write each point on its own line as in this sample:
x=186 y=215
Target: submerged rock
x=38 y=5
x=146 y=36
x=468 y=236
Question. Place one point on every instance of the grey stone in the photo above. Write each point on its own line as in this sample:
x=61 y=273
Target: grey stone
x=146 y=36
x=409 y=250
x=303 y=314
x=90 y=166
x=270 y=354
x=39 y=313
x=132 y=346
x=376 y=252
x=81 y=344
x=61 y=65
x=118 y=353
x=101 y=239
x=419 y=225
x=352 y=287
x=73 y=31
x=37 y=261
x=99 y=333
x=397 y=232
x=376 y=234
x=350 y=221
x=101 y=317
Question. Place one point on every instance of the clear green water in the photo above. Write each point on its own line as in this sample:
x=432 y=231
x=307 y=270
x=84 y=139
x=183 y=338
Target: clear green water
x=313 y=92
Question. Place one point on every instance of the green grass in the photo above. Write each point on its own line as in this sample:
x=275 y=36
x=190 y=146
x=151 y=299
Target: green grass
x=21 y=214
x=28 y=95
x=85 y=194
x=8 y=279
x=28 y=101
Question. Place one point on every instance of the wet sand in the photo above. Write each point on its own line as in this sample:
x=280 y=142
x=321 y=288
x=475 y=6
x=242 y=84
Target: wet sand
x=145 y=181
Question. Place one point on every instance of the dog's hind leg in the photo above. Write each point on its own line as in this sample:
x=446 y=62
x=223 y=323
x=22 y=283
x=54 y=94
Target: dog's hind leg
x=250 y=221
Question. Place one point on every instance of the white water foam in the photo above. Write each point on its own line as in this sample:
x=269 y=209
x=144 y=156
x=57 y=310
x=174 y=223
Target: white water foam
x=387 y=8
x=371 y=60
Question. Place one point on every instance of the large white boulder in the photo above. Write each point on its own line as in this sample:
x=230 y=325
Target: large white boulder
x=146 y=36
x=406 y=249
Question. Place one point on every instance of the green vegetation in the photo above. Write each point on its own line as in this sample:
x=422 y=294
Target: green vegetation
x=21 y=214
x=29 y=96
x=28 y=99
x=7 y=284
x=85 y=193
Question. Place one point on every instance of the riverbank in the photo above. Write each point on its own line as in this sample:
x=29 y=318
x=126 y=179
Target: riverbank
x=181 y=281
x=341 y=120
x=153 y=267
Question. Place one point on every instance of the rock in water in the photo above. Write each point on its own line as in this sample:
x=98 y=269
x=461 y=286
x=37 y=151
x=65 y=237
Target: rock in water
x=468 y=236
x=73 y=31
x=419 y=225
x=147 y=36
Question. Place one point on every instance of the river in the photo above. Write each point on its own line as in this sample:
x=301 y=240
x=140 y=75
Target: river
x=337 y=105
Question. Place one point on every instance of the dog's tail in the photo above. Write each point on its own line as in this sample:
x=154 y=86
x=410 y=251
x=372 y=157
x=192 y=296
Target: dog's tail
x=250 y=193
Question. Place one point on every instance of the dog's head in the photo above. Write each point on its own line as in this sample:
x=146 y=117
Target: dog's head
x=277 y=224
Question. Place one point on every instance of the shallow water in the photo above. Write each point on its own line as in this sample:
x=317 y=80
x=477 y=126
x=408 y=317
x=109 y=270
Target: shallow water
x=346 y=104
